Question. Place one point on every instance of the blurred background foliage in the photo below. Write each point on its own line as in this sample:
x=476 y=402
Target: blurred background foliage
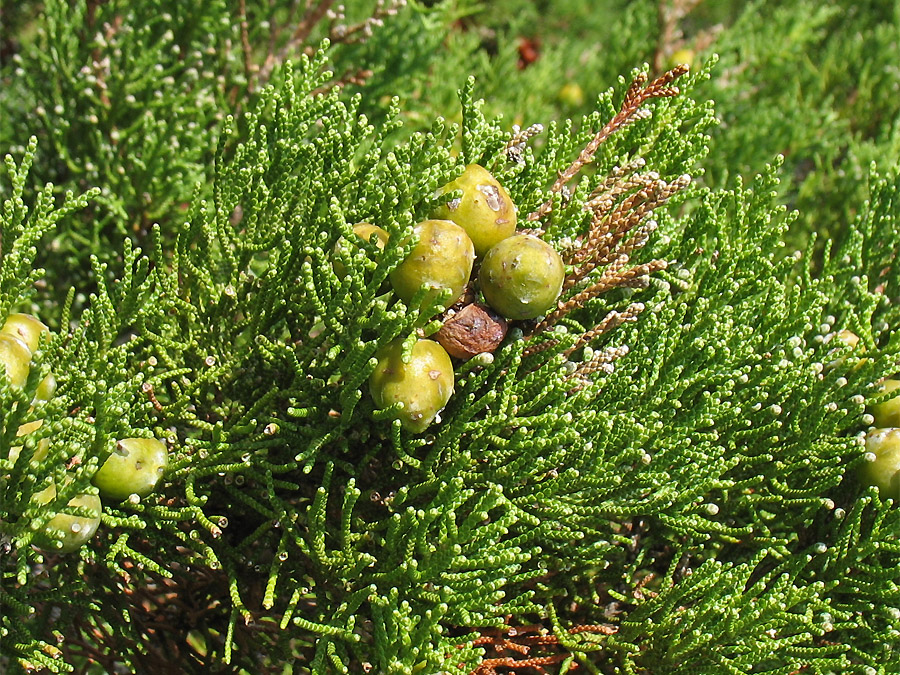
x=814 y=81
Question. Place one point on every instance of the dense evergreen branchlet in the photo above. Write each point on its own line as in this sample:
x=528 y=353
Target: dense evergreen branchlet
x=657 y=478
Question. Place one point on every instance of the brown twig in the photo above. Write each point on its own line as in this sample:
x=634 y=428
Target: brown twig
x=611 y=278
x=513 y=647
x=610 y=322
x=638 y=94
x=313 y=14
x=671 y=38
x=249 y=66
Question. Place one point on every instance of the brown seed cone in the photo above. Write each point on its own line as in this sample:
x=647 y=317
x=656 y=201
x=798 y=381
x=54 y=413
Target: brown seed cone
x=472 y=330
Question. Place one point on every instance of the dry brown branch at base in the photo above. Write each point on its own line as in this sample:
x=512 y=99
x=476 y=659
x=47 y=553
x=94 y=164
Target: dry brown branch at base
x=610 y=322
x=249 y=67
x=616 y=176
x=631 y=110
x=164 y=614
x=513 y=648
x=611 y=224
x=612 y=278
x=338 y=33
x=671 y=38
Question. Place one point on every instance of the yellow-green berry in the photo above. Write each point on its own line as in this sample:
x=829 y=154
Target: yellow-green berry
x=681 y=56
x=64 y=532
x=571 y=95
x=27 y=328
x=423 y=385
x=484 y=211
x=43 y=445
x=847 y=338
x=364 y=231
x=134 y=467
x=887 y=413
x=46 y=388
x=521 y=277
x=883 y=471
x=15 y=357
x=442 y=259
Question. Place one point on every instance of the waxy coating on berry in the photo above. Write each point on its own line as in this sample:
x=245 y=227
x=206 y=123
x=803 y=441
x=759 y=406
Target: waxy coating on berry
x=134 y=467
x=27 y=328
x=884 y=471
x=484 y=211
x=364 y=231
x=423 y=385
x=65 y=533
x=442 y=259
x=522 y=277
x=887 y=413
x=15 y=357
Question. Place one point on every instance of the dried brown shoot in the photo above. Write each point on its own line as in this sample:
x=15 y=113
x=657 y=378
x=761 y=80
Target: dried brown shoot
x=610 y=322
x=338 y=32
x=638 y=94
x=513 y=647
x=515 y=147
x=670 y=13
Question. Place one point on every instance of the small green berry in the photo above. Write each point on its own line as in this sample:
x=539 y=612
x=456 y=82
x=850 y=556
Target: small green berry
x=364 y=231
x=134 y=467
x=46 y=388
x=522 y=277
x=847 y=338
x=484 y=211
x=571 y=95
x=16 y=358
x=65 y=533
x=423 y=385
x=884 y=470
x=442 y=259
x=27 y=328
x=43 y=445
x=887 y=414
x=681 y=56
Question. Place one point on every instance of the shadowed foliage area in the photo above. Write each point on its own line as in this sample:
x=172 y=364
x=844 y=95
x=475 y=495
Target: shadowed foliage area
x=232 y=439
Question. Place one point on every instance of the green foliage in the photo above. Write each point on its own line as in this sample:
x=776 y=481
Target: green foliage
x=675 y=495
x=130 y=97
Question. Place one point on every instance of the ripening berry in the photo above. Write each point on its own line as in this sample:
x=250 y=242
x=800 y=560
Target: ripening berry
x=847 y=338
x=134 y=467
x=46 y=388
x=571 y=95
x=484 y=211
x=43 y=445
x=887 y=414
x=27 y=328
x=423 y=386
x=364 y=231
x=16 y=358
x=521 y=277
x=684 y=55
x=884 y=471
x=64 y=532
x=442 y=258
